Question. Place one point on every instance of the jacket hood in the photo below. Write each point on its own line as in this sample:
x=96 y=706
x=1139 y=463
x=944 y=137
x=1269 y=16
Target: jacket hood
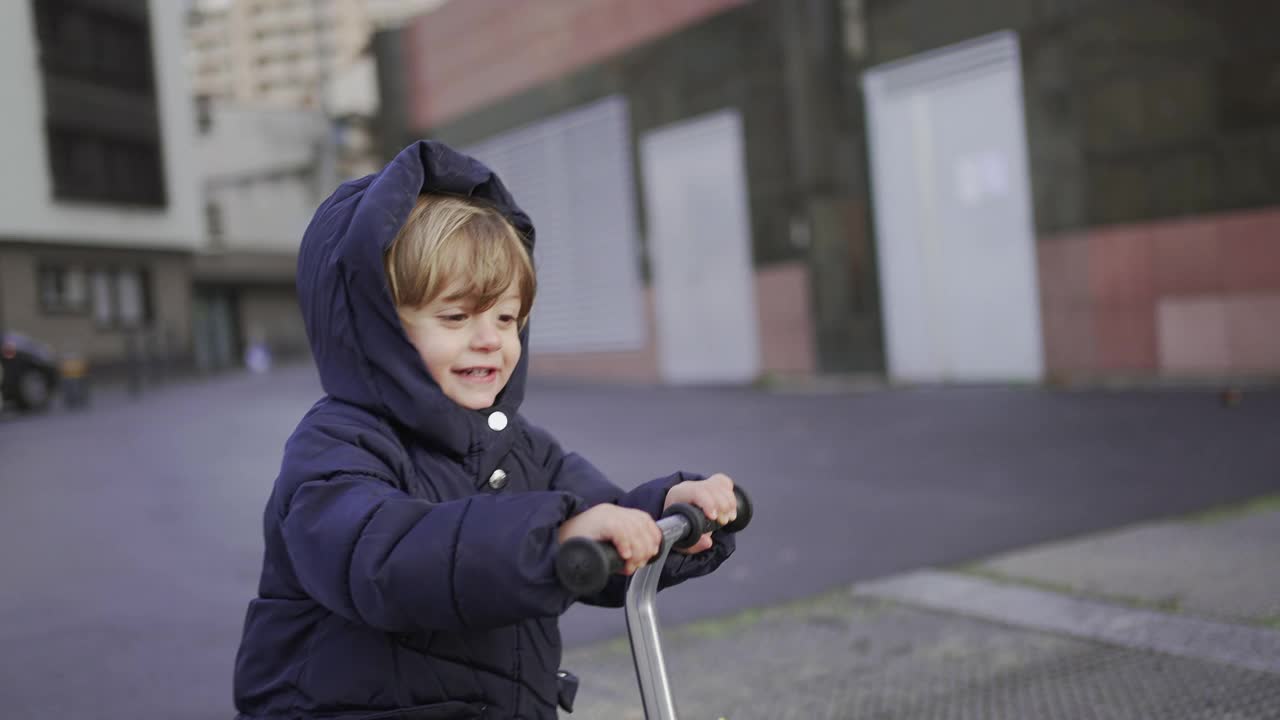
x=360 y=347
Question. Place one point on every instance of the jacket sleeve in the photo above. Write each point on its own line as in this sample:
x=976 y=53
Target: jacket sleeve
x=374 y=555
x=574 y=474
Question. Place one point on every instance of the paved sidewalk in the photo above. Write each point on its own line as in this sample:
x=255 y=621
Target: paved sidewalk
x=1144 y=623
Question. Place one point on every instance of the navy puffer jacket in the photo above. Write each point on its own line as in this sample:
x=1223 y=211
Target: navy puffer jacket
x=396 y=583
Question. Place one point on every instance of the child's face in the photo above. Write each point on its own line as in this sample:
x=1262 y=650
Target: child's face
x=470 y=353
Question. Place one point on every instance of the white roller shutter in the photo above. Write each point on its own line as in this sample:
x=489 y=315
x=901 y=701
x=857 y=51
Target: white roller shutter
x=572 y=174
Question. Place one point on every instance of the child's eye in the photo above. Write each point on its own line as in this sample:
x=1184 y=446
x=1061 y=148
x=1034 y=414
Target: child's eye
x=507 y=318
x=456 y=317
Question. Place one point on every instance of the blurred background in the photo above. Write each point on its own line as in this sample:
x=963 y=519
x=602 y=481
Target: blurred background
x=936 y=280
x=1029 y=190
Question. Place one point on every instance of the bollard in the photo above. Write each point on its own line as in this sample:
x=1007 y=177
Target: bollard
x=74 y=371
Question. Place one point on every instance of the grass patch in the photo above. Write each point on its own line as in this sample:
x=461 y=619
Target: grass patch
x=987 y=573
x=1171 y=604
x=1266 y=503
x=725 y=626
x=1270 y=622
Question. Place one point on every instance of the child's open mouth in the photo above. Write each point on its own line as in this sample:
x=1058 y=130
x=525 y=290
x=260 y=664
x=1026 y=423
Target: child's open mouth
x=477 y=374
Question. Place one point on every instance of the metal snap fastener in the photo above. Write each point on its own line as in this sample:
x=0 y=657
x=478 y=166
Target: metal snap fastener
x=498 y=479
x=498 y=420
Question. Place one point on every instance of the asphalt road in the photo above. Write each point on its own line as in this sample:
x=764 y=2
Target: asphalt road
x=130 y=534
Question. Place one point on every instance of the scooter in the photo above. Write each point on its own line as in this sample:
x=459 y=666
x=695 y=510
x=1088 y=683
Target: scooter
x=584 y=567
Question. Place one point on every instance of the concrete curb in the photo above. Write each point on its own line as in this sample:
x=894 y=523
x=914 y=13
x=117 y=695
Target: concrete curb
x=1252 y=648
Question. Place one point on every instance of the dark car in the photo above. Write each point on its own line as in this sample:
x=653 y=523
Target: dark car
x=28 y=372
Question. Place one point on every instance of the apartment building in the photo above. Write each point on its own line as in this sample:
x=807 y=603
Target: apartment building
x=99 y=213
x=282 y=52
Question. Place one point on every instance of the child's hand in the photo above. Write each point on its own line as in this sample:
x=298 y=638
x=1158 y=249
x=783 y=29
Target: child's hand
x=714 y=496
x=633 y=533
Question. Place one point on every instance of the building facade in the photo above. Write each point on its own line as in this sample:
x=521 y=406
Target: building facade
x=1031 y=191
x=99 y=211
x=263 y=173
x=272 y=52
x=282 y=53
x=288 y=55
x=596 y=112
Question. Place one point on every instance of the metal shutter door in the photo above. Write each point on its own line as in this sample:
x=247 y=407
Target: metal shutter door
x=572 y=174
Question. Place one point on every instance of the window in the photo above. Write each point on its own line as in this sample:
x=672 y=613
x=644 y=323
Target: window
x=103 y=298
x=92 y=166
x=62 y=289
x=82 y=41
x=130 y=306
x=121 y=298
x=204 y=114
x=108 y=148
x=213 y=221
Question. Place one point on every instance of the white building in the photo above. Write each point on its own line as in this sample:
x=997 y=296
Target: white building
x=297 y=54
x=263 y=174
x=99 y=207
x=282 y=52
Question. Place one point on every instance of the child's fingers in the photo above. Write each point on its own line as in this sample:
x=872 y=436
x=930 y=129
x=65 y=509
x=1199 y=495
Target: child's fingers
x=718 y=505
x=637 y=539
x=716 y=499
x=730 y=511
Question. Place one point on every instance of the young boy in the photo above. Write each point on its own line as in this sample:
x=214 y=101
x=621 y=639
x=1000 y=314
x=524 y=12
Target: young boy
x=411 y=534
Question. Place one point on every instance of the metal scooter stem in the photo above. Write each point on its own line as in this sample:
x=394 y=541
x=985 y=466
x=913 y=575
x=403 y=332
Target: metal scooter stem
x=642 y=626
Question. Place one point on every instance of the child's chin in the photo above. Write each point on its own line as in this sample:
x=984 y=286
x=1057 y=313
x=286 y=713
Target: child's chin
x=474 y=400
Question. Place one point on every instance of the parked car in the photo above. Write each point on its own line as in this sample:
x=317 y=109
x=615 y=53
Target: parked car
x=28 y=372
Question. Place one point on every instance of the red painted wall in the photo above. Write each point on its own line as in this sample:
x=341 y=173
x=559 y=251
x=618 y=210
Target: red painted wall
x=1195 y=296
x=468 y=53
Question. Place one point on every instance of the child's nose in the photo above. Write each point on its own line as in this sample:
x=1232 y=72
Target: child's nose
x=486 y=337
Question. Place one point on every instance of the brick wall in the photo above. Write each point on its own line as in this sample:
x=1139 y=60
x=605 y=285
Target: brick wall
x=471 y=52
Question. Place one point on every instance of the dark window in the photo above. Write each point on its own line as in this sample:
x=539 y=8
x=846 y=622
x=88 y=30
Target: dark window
x=94 y=166
x=62 y=289
x=78 y=40
x=204 y=114
x=117 y=297
x=213 y=219
x=100 y=152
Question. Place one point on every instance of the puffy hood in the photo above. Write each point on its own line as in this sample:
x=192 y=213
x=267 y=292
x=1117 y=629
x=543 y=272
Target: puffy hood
x=360 y=348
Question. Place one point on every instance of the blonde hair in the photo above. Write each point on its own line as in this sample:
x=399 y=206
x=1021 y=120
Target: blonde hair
x=457 y=244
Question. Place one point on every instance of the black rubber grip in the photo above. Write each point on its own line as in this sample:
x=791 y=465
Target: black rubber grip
x=583 y=566
x=743 y=518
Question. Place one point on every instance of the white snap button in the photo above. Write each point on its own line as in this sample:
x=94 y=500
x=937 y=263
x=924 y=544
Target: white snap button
x=498 y=420
x=498 y=479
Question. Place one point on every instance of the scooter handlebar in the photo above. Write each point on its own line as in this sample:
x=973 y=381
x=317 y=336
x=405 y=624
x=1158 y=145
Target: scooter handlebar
x=583 y=566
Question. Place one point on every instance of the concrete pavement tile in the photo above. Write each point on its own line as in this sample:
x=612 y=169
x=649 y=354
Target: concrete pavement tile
x=848 y=656
x=1221 y=567
x=1253 y=648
